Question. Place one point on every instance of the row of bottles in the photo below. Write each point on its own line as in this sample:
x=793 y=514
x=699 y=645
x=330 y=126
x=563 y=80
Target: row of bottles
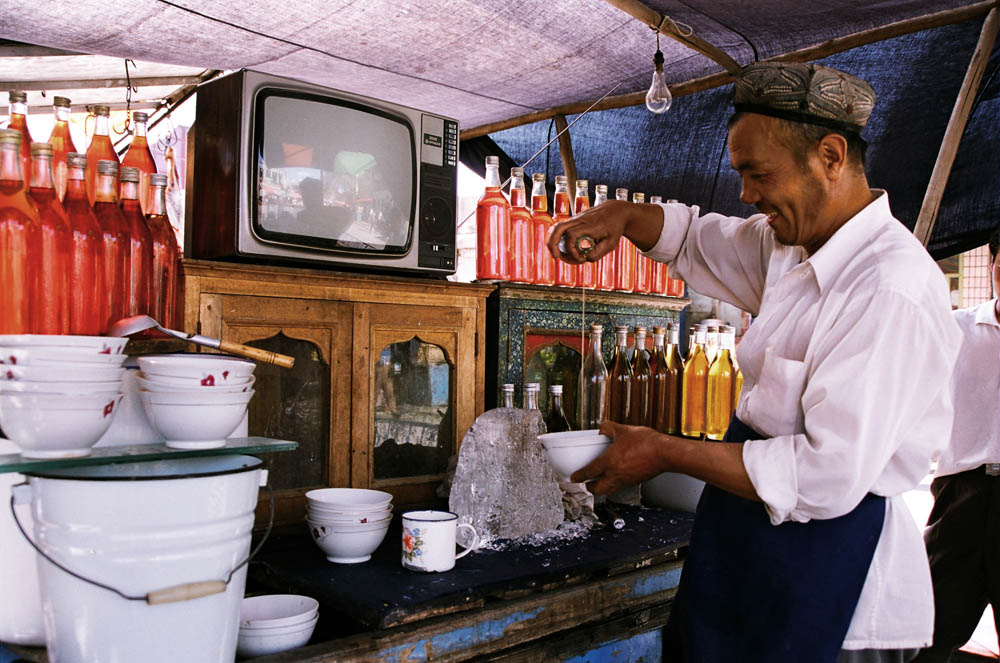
x=512 y=239
x=72 y=268
x=556 y=420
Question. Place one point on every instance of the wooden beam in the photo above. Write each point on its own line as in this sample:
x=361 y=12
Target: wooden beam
x=897 y=29
x=655 y=20
x=137 y=104
x=956 y=126
x=99 y=83
x=566 y=153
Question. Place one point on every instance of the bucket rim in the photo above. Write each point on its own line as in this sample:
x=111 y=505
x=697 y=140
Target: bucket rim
x=236 y=464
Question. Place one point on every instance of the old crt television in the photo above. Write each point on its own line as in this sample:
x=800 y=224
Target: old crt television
x=285 y=171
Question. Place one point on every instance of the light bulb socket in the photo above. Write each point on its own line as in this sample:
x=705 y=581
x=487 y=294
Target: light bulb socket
x=658 y=60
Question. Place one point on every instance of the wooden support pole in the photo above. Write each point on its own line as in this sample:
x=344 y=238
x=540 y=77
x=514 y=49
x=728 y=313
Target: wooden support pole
x=566 y=153
x=956 y=126
x=654 y=20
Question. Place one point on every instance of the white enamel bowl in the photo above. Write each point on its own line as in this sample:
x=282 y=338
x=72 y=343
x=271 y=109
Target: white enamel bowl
x=348 y=544
x=62 y=373
x=570 y=451
x=251 y=643
x=349 y=499
x=196 y=383
x=206 y=369
x=56 y=425
x=277 y=610
x=46 y=356
x=96 y=344
x=65 y=388
x=195 y=425
x=152 y=384
x=209 y=397
x=349 y=519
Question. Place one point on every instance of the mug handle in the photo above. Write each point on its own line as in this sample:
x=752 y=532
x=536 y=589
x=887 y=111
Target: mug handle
x=475 y=543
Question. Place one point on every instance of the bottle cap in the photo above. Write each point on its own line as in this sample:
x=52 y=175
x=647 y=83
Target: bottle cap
x=659 y=330
x=103 y=110
x=638 y=197
x=621 y=193
x=655 y=199
x=62 y=102
x=76 y=160
x=640 y=329
x=538 y=177
x=601 y=188
x=507 y=387
x=532 y=386
x=555 y=389
x=726 y=329
x=17 y=96
x=562 y=179
x=581 y=184
x=671 y=200
x=139 y=116
x=10 y=137
x=157 y=179
x=129 y=174
x=517 y=171
x=105 y=167
x=594 y=327
x=621 y=328
x=41 y=149
x=712 y=329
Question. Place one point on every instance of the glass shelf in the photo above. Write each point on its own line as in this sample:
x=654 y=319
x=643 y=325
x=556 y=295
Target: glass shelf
x=141 y=452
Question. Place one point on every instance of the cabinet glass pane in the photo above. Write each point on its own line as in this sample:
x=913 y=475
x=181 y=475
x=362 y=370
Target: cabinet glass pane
x=555 y=362
x=413 y=410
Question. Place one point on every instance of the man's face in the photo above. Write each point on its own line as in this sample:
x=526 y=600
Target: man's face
x=776 y=183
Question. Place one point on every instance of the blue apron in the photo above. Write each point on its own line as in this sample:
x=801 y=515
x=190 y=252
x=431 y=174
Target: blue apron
x=755 y=592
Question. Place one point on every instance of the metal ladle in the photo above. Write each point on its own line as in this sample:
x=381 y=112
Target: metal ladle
x=138 y=323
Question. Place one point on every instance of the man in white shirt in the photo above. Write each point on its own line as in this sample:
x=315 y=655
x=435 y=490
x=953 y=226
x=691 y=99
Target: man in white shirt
x=803 y=549
x=963 y=529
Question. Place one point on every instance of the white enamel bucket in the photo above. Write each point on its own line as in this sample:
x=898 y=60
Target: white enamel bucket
x=166 y=533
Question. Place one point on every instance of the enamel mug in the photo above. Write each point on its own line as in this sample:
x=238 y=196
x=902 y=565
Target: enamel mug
x=429 y=540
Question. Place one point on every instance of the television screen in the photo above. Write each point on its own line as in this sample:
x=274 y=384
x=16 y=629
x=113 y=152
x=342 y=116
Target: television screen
x=331 y=174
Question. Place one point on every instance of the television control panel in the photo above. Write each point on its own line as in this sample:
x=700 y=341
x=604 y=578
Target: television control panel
x=438 y=191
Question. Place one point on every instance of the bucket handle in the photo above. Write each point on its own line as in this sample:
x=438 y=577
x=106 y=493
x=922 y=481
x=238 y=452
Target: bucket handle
x=183 y=592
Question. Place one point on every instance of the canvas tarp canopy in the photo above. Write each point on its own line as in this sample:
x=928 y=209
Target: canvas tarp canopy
x=487 y=61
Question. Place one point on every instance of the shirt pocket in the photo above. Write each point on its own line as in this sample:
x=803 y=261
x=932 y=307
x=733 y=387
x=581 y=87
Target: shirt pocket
x=774 y=405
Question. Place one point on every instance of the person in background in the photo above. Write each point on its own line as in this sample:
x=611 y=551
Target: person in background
x=963 y=529
x=803 y=548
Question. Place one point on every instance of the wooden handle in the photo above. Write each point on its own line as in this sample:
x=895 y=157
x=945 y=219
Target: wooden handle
x=186 y=592
x=265 y=356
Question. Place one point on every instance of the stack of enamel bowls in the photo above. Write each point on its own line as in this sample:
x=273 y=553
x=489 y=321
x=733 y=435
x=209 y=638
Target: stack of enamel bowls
x=275 y=623
x=348 y=524
x=196 y=401
x=58 y=394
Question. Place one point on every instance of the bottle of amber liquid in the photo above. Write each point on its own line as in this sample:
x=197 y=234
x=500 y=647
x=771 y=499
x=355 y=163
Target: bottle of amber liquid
x=140 y=290
x=594 y=383
x=556 y=421
x=116 y=240
x=658 y=383
x=638 y=414
x=694 y=388
x=493 y=228
x=587 y=274
x=737 y=382
x=100 y=149
x=521 y=257
x=62 y=144
x=51 y=311
x=643 y=265
x=606 y=265
x=507 y=394
x=620 y=387
x=139 y=156
x=19 y=123
x=675 y=369
x=20 y=241
x=166 y=254
x=562 y=210
x=711 y=343
x=719 y=401
x=88 y=304
x=541 y=224
x=624 y=257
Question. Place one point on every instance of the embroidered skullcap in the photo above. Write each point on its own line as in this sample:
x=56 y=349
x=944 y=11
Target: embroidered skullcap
x=804 y=92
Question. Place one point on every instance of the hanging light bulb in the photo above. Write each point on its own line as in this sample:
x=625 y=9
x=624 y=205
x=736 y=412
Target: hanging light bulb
x=658 y=99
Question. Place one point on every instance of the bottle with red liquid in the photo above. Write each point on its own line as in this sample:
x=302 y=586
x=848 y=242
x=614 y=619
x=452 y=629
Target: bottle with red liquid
x=100 y=149
x=562 y=210
x=587 y=275
x=166 y=254
x=620 y=378
x=624 y=257
x=493 y=228
x=19 y=123
x=51 y=311
x=116 y=239
x=88 y=299
x=522 y=264
x=20 y=241
x=638 y=414
x=606 y=265
x=541 y=224
x=139 y=156
x=675 y=287
x=643 y=265
x=140 y=245
x=62 y=144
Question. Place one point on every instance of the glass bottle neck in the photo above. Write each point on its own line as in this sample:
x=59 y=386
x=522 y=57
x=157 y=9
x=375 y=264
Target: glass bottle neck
x=531 y=400
x=675 y=336
x=508 y=399
x=104 y=189
x=18 y=111
x=61 y=113
x=658 y=342
x=102 y=125
x=595 y=343
x=10 y=164
x=539 y=200
x=138 y=129
x=157 y=200
x=600 y=198
x=621 y=340
x=76 y=184
x=492 y=175
x=518 y=197
x=555 y=402
x=41 y=172
x=130 y=192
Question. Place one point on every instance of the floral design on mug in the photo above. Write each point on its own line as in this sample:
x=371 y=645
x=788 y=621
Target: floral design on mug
x=412 y=543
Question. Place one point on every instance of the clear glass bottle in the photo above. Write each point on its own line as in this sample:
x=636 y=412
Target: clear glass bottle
x=507 y=393
x=594 y=401
x=659 y=387
x=587 y=274
x=140 y=276
x=88 y=308
x=675 y=371
x=541 y=223
x=62 y=144
x=530 y=396
x=521 y=256
x=556 y=421
x=638 y=414
x=493 y=228
x=606 y=265
x=116 y=239
x=20 y=241
x=19 y=122
x=719 y=395
x=100 y=149
x=624 y=257
x=643 y=265
x=51 y=312
x=139 y=156
x=620 y=387
x=166 y=254
x=567 y=274
x=694 y=388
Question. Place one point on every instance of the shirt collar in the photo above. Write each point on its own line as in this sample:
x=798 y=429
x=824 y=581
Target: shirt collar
x=986 y=313
x=849 y=239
